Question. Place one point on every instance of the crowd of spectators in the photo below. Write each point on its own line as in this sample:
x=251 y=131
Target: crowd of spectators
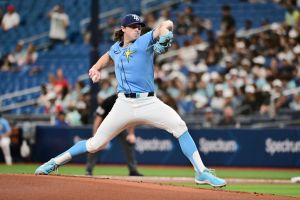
x=22 y=59
x=67 y=105
x=230 y=72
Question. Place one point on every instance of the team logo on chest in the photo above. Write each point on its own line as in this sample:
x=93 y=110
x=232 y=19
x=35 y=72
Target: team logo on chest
x=128 y=54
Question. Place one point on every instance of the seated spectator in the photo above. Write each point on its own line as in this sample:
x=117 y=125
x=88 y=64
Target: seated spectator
x=27 y=63
x=282 y=101
x=52 y=108
x=59 y=22
x=264 y=97
x=31 y=55
x=64 y=98
x=218 y=101
x=83 y=105
x=250 y=104
x=51 y=83
x=73 y=117
x=77 y=90
x=228 y=117
x=295 y=104
x=5 y=65
x=106 y=91
x=61 y=120
x=16 y=57
x=43 y=99
x=209 y=118
x=11 y=19
x=60 y=80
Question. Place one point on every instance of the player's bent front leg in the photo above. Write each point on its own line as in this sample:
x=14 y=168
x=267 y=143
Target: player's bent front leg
x=172 y=122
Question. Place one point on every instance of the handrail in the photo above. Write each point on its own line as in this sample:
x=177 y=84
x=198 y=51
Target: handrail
x=20 y=93
x=18 y=105
x=16 y=94
x=146 y=10
x=278 y=124
x=253 y=31
x=33 y=38
x=170 y=54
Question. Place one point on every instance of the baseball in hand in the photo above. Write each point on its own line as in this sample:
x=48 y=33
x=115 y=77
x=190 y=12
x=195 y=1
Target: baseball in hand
x=95 y=78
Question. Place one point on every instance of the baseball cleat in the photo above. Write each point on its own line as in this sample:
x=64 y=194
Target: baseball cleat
x=207 y=177
x=46 y=168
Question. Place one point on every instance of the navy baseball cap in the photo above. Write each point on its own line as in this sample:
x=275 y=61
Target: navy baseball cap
x=131 y=19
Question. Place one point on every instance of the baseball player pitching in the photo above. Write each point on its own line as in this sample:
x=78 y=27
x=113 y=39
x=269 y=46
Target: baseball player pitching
x=132 y=56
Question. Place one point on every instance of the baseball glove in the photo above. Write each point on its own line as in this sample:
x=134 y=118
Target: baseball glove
x=164 y=42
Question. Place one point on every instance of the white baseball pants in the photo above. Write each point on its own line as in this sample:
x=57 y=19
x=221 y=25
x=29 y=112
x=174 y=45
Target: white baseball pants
x=127 y=112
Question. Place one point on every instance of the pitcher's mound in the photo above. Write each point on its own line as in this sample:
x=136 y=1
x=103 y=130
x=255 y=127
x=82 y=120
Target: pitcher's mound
x=26 y=186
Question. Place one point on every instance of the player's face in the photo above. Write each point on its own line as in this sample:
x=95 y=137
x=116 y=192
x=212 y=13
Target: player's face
x=132 y=32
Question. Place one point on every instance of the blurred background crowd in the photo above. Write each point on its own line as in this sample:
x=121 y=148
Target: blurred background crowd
x=233 y=63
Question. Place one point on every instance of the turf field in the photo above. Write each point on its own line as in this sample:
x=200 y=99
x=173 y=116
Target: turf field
x=287 y=189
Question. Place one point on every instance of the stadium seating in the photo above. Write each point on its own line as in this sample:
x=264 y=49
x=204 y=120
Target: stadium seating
x=73 y=58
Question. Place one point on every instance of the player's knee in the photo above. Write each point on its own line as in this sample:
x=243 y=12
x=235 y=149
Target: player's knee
x=94 y=146
x=180 y=129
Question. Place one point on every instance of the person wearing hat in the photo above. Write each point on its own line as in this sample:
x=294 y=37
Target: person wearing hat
x=5 y=132
x=11 y=19
x=133 y=58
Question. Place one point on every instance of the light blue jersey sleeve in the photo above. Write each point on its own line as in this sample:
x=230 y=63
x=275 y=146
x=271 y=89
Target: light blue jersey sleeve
x=114 y=50
x=145 y=41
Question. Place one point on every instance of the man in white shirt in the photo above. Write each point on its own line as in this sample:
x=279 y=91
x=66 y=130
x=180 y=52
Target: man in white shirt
x=11 y=19
x=59 y=22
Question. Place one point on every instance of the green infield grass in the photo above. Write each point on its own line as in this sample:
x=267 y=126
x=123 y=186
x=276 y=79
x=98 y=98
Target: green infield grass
x=165 y=171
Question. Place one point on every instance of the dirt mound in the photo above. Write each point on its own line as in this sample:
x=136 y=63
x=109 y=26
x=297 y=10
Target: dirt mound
x=26 y=186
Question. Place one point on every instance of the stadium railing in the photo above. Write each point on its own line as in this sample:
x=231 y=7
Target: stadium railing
x=15 y=105
x=146 y=6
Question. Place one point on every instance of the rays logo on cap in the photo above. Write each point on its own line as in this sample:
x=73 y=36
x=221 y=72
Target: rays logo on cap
x=135 y=17
x=132 y=19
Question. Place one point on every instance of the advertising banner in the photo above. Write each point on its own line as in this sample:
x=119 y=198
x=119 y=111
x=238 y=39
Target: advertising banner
x=217 y=147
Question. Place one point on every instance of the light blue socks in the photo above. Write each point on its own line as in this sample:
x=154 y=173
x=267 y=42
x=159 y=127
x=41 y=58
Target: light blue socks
x=189 y=149
x=77 y=149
